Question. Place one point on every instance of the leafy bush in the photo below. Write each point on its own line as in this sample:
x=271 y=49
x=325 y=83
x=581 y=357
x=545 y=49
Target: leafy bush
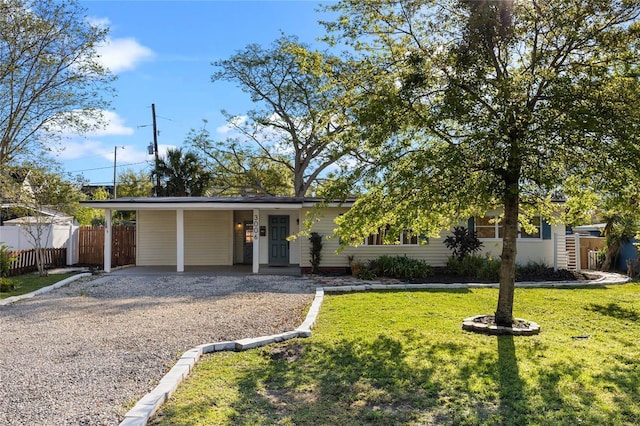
x=475 y=267
x=401 y=267
x=490 y=270
x=7 y=285
x=468 y=266
x=5 y=260
x=315 y=251
x=539 y=271
x=366 y=274
x=462 y=242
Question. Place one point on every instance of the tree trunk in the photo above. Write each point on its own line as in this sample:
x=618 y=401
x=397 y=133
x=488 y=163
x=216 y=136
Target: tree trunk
x=504 y=312
x=40 y=261
x=610 y=260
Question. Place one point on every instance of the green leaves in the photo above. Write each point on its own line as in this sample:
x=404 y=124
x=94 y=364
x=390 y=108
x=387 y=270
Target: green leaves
x=50 y=76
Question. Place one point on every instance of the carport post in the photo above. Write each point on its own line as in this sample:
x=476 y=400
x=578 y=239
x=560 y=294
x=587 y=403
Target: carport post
x=256 y=241
x=107 y=240
x=180 y=240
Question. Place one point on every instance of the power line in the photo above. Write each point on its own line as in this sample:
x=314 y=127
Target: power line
x=108 y=167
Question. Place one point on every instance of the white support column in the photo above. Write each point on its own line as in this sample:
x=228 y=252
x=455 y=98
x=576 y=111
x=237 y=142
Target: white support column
x=70 y=245
x=256 y=241
x=107 y=240
x=180 y=240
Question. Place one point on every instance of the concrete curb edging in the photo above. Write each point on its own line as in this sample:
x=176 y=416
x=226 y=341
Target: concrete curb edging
x=14 y=299
x=145 y=408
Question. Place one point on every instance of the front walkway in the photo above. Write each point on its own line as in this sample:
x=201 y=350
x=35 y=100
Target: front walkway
x=341 y=283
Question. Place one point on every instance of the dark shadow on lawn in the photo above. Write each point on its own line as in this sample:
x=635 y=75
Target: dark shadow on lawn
x=513 y=397
x=615 y=311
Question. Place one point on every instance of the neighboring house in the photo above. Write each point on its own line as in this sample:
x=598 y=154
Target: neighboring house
x=204 y=231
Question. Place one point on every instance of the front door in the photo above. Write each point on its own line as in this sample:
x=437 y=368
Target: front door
x=278 y=244
x=247 y=245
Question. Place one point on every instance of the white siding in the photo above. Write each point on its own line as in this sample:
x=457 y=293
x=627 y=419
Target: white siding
x=435 y=253
x=208 y=237
x=156 y=236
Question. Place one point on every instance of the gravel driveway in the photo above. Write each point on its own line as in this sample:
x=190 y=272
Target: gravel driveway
x=85 y=353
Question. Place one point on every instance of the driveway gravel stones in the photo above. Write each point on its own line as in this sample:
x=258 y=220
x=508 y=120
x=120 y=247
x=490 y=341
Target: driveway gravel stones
x=85 y=353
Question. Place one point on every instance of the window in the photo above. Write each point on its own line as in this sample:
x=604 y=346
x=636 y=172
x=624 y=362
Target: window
x=406 y=238
x=491 y=227
x=488 y=227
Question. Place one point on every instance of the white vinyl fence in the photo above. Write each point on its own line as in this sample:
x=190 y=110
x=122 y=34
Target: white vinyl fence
x=59 y=236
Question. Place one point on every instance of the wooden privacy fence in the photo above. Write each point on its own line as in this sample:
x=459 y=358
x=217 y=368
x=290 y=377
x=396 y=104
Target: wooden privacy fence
x=91 y=245
x=26 y=260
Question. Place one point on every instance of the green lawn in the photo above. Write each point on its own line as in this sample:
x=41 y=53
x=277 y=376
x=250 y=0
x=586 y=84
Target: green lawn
x=388 y=358
x=31 y=282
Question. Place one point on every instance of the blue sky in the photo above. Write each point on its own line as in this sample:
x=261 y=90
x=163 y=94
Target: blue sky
x=161 y=52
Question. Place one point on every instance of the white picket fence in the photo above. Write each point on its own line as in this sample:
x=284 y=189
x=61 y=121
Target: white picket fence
x=58 y=236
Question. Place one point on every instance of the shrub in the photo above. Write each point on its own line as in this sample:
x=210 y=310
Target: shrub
x=539 y=271
x=475 y=267
x=7 y=285
x=490 y=270
x=5 y=260
x=401 y=267
x=315 y=251
x=366 y=274
x=462 y=242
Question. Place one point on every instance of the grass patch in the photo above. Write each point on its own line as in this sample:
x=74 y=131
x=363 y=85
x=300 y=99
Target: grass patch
x=385 y=358
x=31 y=282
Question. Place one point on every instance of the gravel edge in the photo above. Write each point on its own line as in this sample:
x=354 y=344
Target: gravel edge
x=14 y=299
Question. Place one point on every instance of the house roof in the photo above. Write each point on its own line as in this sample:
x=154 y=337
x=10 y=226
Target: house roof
x=29 y=220
x=211 y=203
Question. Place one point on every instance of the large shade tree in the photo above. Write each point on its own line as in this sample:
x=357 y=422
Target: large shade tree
x=237 y=170
x=467 y=105
x=51 y=79
x=296 y=124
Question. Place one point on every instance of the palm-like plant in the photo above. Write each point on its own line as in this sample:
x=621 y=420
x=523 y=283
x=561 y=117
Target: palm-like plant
x=182 y=175
x=618 y=231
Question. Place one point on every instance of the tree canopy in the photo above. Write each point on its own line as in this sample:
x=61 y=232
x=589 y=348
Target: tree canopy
x=41 y=196
x=297 y=124
x=236 y=169
x=463 y=106
x=132 y=184
x=50 y=77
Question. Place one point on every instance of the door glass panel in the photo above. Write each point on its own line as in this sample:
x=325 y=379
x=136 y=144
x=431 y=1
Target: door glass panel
x=248 y=234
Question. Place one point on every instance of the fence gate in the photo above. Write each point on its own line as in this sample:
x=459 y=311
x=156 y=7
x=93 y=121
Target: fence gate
x=91 y=245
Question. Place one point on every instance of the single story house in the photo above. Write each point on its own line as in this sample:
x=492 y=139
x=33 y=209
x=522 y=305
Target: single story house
x=208 y=231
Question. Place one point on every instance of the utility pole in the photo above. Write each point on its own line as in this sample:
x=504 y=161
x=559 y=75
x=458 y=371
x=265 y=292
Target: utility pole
x=115 y=155
x=155 y=148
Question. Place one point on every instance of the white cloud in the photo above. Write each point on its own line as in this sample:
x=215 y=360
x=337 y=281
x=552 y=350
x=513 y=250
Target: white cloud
x=99 y=22
x=114 y=126
x=74 y=149
x=91 y=149
x=233 y=123
x=111 y=124
x=122 y=54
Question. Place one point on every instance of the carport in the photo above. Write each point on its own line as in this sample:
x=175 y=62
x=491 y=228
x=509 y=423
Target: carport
x=191 y=233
